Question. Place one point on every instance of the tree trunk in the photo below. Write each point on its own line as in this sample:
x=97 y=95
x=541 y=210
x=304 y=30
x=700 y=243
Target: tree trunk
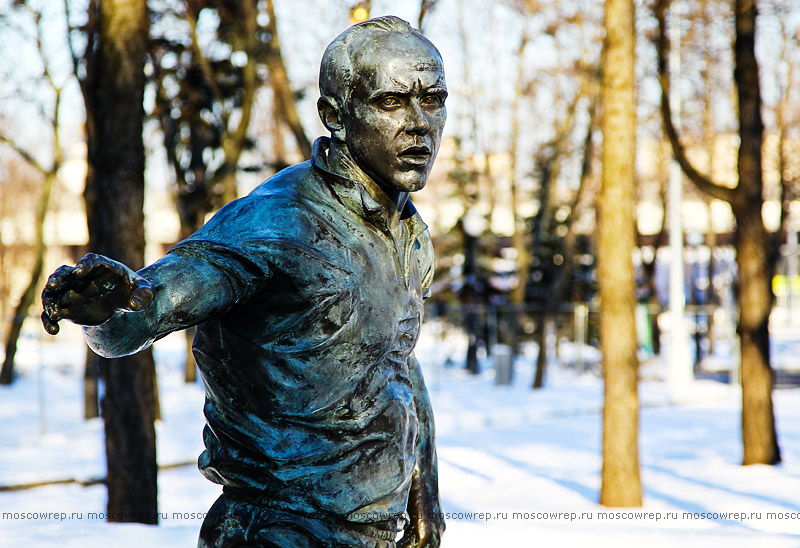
x=541 y=340
x=469 y=301
x=518 y=235
x=31 y=292
x=425 y=8
x=114 y=205
x=621 y=484
x=753 y=257
x=755 y=300
x=192 y=208
x=649 y=268
x=91 y=392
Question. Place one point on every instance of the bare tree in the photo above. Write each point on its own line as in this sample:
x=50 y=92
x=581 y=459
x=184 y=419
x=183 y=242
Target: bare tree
x=755 y=247
x=621 y=484
x=518 y=234
x=49 y=173
x=562 y=257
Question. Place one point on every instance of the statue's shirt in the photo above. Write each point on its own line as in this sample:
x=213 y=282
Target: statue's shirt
x=308 y=397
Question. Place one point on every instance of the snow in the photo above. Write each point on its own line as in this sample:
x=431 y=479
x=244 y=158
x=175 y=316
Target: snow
x=517 y=467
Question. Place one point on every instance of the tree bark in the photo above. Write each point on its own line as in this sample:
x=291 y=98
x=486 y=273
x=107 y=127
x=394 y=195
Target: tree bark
x=91 y=388
x=114 y=204
x=621 y=484
x=756 y=262
x=542 y=320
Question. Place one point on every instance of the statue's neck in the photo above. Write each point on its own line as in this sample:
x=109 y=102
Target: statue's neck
x=341 y=162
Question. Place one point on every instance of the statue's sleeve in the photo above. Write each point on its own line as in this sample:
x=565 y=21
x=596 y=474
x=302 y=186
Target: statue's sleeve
x=220 y=265
x=424 y=504
x=425 y=261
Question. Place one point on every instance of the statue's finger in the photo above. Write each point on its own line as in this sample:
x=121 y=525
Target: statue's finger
x=52 y=310
x=66 y=298
x=91 y=263
x=48 y=297
x=57 y=278
x=50 y=326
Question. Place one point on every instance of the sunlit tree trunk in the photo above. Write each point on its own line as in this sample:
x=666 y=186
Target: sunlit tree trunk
x=621 y=484
x=756 y=266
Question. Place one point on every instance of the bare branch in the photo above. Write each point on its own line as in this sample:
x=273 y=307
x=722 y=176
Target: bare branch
x=785 y=91
x=249 y=80
x=662 y=46
x=70 y=46
x=47 y=73
x=202 y=60
x=425 y=8
x=27 y=156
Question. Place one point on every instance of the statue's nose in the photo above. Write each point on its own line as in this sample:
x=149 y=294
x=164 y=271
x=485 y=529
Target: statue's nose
x=416 y=121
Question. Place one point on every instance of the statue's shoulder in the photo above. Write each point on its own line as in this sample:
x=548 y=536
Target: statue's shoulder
x=281 y=205
x=289 y=183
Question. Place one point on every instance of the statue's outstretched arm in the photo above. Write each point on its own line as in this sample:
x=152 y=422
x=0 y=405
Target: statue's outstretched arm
x=124 y=311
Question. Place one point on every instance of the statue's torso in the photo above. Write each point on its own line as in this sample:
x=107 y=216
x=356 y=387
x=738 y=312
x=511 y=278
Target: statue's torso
x=308 y=394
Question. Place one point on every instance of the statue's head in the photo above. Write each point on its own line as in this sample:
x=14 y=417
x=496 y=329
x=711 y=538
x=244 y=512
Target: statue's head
x=382 y=92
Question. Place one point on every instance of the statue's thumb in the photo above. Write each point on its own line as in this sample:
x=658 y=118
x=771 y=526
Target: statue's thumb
x=141 y=296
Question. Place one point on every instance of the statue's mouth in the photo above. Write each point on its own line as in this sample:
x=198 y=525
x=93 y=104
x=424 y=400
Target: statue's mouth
x=416 y=155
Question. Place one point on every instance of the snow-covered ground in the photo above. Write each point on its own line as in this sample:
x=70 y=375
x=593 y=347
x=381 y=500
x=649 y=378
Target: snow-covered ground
x=517 y=467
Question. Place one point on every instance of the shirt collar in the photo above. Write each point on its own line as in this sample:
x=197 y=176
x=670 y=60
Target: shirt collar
x=355 y=196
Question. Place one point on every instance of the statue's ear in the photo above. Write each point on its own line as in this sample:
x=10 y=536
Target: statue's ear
x=330 y=114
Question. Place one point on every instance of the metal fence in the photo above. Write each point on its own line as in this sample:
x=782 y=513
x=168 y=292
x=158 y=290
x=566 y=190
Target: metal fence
x=571 y=334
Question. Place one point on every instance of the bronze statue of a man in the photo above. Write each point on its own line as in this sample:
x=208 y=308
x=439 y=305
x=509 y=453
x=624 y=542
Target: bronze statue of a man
x=308 y=297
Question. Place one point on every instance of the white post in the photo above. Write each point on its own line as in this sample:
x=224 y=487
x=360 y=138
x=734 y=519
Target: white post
x=791 y=273
x=581 y=323
x=680 y=366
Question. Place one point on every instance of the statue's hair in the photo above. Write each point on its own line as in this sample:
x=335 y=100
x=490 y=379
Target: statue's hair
x=336 y=68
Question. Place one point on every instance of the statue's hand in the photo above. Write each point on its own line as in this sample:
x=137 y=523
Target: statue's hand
x=421 y=534
x=91 y=292
x=427 y=521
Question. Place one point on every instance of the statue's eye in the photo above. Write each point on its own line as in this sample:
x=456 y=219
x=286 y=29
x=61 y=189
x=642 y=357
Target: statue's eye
x=391 y=102
x=431 y=101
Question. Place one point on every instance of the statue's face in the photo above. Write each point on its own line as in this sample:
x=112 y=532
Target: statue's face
x=396 y=114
